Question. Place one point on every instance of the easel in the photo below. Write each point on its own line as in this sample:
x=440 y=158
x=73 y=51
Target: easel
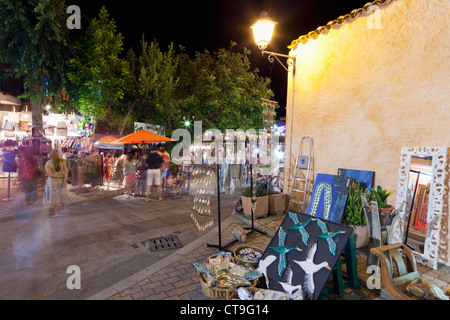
x=351 y=262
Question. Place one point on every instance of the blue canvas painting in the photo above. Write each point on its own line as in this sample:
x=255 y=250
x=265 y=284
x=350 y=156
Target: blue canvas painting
x=364 y=178
x=329 y=196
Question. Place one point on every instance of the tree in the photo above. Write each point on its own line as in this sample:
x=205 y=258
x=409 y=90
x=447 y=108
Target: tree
x=97 y=74
x=150 y=83
x=35 y=40
x=221 y=90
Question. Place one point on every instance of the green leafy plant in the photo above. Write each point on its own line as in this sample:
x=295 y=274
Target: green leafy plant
x=354 y=213
x=260 y=192
x=380 y=196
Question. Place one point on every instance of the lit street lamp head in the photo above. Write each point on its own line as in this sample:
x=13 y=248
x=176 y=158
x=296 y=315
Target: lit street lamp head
x=262 y=31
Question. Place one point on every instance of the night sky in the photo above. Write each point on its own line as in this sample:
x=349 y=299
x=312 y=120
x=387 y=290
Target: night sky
x=210 y=25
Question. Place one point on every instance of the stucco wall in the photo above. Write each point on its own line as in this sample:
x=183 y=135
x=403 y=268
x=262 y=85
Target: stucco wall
x=362 y=93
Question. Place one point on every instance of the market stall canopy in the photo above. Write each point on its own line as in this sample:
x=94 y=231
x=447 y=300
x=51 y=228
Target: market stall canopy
x=9 y=99
x=143 y=136
x=108 y=142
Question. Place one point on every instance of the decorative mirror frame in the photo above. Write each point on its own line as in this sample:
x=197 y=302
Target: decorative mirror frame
x=435 y=205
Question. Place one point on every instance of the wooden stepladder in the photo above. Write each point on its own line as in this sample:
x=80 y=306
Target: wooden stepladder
x=303 y=177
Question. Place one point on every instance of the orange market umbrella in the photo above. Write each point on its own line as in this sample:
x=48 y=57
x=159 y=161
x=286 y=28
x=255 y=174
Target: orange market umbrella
x=143 y=136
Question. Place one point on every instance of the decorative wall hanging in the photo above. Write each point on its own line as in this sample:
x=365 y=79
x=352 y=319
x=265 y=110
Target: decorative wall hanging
x=289 y=264
x=364 y=178
x=435 y=203
x=329 y=196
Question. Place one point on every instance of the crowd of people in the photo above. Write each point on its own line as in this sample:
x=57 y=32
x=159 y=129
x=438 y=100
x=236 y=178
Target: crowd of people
x=142 y=175
x=149 y=171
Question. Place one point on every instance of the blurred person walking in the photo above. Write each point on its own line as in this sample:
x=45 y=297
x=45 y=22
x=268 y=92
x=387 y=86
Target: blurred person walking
x=118 y=169
x=141 y=166
x=164 y=172
x=154 y=166
x=28 y=174
x=129 y=172
x=55 y=192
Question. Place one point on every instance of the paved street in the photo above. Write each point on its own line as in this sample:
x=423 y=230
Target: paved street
x=106 y=235
x=106 y=238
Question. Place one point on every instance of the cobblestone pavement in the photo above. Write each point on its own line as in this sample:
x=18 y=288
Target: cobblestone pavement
x=179 y=280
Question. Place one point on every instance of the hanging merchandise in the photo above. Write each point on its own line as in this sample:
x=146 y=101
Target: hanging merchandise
x=61 y=129
x=204 y=188
x=24 y=126
x=9 y=131
x=14 y=116
x=25 y=120
x=25 y=115
x=49 y=130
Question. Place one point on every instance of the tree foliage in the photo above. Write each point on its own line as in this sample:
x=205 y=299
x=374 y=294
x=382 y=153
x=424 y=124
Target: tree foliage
x=161 y=87
x=96 y=73
x=35 y=40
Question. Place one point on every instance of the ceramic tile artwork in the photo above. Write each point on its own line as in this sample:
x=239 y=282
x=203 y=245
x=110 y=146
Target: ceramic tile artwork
x=365 y=178
x=329 y=196
x=293 y=261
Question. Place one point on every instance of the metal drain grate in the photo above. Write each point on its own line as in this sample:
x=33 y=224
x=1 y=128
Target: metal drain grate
x=164 y=243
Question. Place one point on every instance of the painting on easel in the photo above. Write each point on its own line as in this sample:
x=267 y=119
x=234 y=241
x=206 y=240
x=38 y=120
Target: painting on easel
x=303 y=254
x=329 y=196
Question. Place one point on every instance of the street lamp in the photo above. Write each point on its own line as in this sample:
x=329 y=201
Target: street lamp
x=262 y=32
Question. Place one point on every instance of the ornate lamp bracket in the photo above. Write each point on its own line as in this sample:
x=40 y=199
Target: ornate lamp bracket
x=290 y=63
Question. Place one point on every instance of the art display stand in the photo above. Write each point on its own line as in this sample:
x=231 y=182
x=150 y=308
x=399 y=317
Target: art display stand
x=9 y=189
x=253 y=190
x=349 y=259
x=219 y=245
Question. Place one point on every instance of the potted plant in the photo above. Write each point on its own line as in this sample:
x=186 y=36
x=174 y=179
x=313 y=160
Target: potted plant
x=277 y=200
x=261 y=205
x=354 y=215
x=380 y=196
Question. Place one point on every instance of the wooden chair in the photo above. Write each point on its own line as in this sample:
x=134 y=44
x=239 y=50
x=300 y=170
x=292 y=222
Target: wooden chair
x=397 y=273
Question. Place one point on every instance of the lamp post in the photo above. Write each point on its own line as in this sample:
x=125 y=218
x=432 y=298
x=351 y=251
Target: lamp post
x=262 y=32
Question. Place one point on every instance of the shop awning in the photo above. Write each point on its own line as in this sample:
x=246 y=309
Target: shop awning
x=9 y=99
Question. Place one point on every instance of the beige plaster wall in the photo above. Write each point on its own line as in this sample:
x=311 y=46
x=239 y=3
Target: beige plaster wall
x=362 y=93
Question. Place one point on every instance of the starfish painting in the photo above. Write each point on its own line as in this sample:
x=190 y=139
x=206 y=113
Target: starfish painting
x=282 y=250
x=310 y=269
x=300 y=226
x=328 y=236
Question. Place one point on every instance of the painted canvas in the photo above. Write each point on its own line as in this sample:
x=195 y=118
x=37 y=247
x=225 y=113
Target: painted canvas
x=302 y=255
x=329 y=196
x=365 y=178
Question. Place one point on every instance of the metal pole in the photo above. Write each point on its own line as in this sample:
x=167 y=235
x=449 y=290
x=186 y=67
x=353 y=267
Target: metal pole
x=218 y=203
